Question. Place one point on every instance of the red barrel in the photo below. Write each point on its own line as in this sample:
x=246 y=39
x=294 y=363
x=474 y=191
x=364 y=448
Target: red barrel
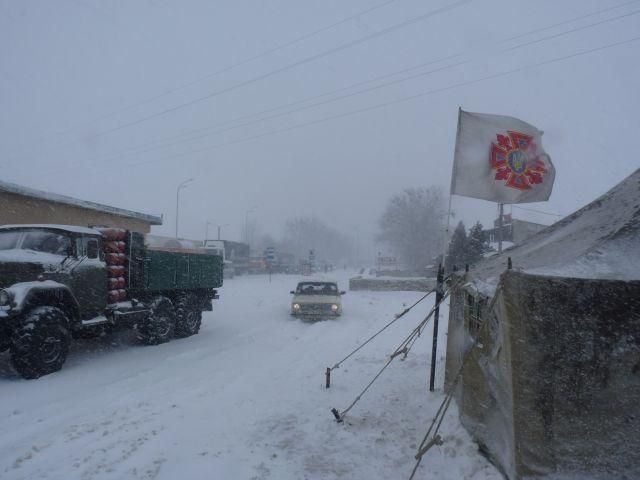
x=114 y=246
x=115 y=271
x=115 y=258
x=122 y=295
x=113 y=296
x=112 y=234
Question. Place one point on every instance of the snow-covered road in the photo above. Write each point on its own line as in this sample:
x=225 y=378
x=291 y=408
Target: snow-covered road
x=244 y=399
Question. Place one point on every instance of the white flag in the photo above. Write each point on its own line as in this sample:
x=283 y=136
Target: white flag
x=500 y=159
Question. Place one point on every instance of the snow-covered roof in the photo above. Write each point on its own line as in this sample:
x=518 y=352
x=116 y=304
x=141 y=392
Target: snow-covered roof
x=63 y=199
x=66 y=228
x=601 y=240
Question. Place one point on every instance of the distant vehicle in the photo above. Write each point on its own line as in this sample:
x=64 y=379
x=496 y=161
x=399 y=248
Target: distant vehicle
x=316 y=300
x=256 y=265
x=238 y=254
x=59 y=281
x=217 y=247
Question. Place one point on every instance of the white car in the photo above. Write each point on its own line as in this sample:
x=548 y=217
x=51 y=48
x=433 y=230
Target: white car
x=316 y=299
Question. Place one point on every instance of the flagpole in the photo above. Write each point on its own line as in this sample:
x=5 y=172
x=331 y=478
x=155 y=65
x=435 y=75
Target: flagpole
x=500 y=214
x=451 y=188
x=445 y=241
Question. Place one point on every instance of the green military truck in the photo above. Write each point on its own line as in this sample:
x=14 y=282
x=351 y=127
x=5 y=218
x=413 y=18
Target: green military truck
x=59 y=282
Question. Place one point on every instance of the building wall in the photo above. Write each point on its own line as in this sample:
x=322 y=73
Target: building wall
x=523 y=230
x=20 y=209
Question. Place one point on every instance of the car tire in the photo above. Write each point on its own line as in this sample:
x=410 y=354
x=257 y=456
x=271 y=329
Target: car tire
x=40 y=343
x=188 y=316
x=159 y=325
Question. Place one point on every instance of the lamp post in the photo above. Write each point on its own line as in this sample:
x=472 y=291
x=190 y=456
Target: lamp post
x=246 y=224
x=206 y=231
x=220 y=229
x=180 y=187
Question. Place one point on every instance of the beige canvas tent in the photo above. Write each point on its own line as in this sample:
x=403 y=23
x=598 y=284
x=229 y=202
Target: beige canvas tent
x=545 y=357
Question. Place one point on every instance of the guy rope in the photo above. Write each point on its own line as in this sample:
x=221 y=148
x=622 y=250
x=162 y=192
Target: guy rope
x=395 y=319
x=403 y=349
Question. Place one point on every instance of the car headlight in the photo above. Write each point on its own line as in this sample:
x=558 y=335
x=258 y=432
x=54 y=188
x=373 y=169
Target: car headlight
x=296 y=306
x=5 y=298
x=334 y=307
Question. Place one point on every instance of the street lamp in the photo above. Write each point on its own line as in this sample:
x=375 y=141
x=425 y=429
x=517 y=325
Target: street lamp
x=206 y=231
x=246 y=223
x=180 y=187
x=220 y=229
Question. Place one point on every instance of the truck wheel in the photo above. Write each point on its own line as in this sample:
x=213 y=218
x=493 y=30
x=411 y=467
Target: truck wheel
x=188 y=316
x=40 y=343
x=159 y=325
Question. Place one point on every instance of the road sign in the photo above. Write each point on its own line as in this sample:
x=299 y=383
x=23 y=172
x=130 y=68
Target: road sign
x=270 y=254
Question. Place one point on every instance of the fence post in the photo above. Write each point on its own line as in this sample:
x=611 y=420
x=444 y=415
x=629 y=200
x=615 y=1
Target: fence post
x=436 y=316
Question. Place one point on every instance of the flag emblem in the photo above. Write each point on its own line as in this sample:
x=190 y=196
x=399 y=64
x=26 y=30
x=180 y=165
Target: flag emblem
x=500 y=159
x=516 y=160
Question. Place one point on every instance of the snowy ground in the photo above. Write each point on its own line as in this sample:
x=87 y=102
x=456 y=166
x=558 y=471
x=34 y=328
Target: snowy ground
x=244 y=399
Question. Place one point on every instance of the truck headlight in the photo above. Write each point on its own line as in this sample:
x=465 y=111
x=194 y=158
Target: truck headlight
x=5 y=298
x=296 y=306
x=334 y=307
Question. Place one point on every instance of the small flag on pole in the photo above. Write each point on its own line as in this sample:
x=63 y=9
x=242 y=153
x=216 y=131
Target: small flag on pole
x=500 y=159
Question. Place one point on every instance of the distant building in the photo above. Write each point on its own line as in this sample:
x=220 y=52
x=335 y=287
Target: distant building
x=26 y=205
x=513 y=230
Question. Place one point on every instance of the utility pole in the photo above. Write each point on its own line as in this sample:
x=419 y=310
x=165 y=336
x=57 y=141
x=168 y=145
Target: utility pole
x=220 y=229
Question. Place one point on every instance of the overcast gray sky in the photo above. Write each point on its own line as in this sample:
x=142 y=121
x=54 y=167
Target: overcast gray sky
x=100 y=100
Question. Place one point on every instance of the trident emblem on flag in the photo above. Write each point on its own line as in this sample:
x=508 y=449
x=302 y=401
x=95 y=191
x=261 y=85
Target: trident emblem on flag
x=515 y=159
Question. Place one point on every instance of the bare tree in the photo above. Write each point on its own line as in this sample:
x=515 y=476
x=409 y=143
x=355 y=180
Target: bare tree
x=309 y=233
x=412 y=224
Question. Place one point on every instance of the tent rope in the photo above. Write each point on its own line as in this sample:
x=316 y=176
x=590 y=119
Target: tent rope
x=444 y=406
x=402 y=349
x=397 y=317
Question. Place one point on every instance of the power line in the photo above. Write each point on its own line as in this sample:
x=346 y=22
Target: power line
x=397 y=101
x=163 y=144
x=377 y=87
x=289 y=112
x=143 y=149
x=564 y=22
x=290 y=66
x=537 y=211
x=147 y=147
x=635 y=12
x=228 y=68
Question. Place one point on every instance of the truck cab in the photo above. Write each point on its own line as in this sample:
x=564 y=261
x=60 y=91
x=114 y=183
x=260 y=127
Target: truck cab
x=39 y=261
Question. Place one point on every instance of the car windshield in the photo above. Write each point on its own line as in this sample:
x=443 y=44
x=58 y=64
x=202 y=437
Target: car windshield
x=49 y=242
x=317 y=288
x=9 y=240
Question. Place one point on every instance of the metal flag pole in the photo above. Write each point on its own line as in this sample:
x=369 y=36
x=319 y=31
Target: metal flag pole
x=445 y=241
x=500 y=215
x=434 y=345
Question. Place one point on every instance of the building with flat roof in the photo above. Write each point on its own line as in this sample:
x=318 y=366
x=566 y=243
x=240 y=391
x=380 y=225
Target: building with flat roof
x=22 y=205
